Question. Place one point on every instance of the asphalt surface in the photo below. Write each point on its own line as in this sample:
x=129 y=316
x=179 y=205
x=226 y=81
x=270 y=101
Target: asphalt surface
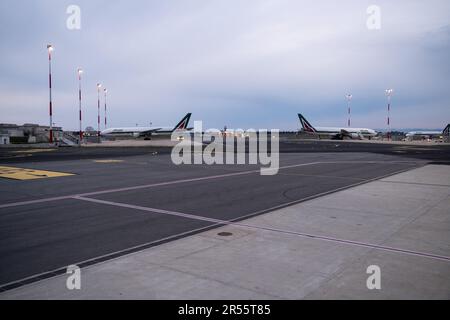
x=90 y=223
x=429 y=151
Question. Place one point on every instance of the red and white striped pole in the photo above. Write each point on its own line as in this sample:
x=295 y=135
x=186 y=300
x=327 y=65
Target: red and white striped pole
x=99 y=86
x=80 y=72
x=389 y=93
x=389 y=118
x=349 y=98
x=50 y=107
x=106 y=123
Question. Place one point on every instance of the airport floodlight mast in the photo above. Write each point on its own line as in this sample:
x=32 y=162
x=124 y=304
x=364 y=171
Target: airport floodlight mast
x=80 y=72
x=99 y=86
x=389 y=93
x=106 y=123
x=349 y=99
x=50 y=50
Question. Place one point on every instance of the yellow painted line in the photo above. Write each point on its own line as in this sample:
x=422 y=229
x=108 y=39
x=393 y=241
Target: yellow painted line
x=29 y=174
x=33 y=150
x=108 y=161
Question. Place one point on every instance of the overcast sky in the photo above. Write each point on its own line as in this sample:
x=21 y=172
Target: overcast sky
x=244 y=64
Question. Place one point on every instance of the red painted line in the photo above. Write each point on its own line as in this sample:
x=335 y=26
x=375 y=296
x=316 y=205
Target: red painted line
x=246 y=225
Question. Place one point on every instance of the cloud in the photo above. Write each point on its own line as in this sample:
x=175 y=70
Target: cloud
x=243 y=64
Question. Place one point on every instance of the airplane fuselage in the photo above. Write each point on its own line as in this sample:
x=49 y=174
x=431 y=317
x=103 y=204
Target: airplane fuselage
x=333 y=131
x=147 y=132
x=136 y=131
x=423 y=133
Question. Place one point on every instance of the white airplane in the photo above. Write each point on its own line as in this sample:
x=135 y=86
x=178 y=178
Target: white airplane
x=336 y=133
x=147 y=132
x=424 y=134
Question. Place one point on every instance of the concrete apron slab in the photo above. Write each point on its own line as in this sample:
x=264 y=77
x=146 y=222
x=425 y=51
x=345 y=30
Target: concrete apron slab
x=409 y=211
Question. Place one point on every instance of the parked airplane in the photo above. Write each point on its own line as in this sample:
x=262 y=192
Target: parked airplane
x=147 y=132
x=336 y=133
x=427 y=134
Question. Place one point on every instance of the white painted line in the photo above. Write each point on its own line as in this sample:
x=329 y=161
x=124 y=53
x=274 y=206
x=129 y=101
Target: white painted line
x=167 y=183
x=159 y=184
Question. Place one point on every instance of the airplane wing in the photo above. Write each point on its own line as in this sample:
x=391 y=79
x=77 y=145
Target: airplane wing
x=351 y=135
x=148 y=132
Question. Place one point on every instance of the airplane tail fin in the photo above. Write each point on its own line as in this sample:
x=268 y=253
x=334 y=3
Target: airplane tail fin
x=183 y=124
x=305 y=124
x=446 y=131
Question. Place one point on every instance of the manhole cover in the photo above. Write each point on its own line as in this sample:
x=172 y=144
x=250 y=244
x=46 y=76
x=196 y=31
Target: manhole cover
x=225 y=234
